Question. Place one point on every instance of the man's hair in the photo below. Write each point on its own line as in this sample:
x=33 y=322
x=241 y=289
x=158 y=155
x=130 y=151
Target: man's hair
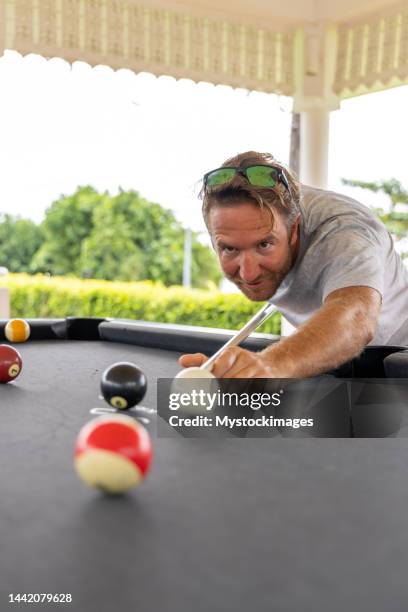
x=238 y=190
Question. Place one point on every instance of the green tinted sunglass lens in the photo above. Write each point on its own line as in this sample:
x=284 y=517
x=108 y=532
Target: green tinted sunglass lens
x=219 y=177
x=262 y=176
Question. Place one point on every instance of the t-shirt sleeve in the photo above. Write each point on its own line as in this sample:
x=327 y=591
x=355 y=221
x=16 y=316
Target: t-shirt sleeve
x=351 y=255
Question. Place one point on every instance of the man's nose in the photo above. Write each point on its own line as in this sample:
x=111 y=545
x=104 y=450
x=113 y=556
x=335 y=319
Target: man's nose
x=249 y=269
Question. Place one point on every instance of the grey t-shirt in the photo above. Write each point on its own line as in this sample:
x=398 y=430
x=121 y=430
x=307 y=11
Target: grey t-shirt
x=343 y=244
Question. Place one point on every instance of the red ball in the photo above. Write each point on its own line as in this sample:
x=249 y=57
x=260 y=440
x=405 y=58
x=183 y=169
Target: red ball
x=113 y=453
x=10 y=363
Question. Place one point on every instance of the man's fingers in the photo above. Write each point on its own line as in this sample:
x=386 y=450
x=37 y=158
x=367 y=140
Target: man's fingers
x=225 y=362
x=192 y=360
x=233 y=362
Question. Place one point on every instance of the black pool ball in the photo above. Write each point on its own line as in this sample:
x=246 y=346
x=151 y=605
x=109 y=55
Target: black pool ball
x=10 y=363
x=123 y=385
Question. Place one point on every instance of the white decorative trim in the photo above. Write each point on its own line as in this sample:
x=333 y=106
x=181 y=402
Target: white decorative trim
x=370 y=53
x=122 y=34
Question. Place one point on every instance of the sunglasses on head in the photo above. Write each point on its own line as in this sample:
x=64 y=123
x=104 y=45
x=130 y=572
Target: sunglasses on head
x=260 y=175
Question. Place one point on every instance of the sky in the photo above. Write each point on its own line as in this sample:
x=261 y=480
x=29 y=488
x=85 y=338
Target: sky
x=62 y=126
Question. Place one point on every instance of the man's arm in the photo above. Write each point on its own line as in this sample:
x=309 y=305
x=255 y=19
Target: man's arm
x=337 y=332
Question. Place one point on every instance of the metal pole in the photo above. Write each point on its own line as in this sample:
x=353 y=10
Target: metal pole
x=187 y=258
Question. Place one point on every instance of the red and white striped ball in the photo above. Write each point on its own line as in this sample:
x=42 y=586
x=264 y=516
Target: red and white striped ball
x=113 y=453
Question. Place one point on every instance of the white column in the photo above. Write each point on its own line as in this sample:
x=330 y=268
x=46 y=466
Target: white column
x=315 y=69
x=313 y=160
x=4 y=297
x=315 y=62
x=4 y=303
x=314 y=147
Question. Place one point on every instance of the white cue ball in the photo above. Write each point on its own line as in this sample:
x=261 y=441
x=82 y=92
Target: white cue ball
x=194 y=379
x=195 y=373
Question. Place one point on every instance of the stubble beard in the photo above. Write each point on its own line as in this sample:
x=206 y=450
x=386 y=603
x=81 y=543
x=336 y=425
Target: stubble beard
x=271 y=282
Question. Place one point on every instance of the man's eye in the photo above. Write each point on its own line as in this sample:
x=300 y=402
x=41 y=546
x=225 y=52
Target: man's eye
x=265 y=245
x=228 y=250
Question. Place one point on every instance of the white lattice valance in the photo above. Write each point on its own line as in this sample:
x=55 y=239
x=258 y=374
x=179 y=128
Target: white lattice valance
x=365 y=54
x=123 y=34
x=372 y=53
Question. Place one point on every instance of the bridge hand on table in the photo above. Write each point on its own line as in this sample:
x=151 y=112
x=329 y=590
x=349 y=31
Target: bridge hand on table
x=234 y=362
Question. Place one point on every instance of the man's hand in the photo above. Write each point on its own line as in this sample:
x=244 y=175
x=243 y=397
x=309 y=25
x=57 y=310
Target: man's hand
x=235 y=362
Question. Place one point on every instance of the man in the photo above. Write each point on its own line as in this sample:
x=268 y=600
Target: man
x=325 y=261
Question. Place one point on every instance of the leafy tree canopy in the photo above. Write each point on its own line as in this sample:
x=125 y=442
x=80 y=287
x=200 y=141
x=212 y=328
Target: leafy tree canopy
x=19 y=241
x=395 y=220
x=67 y=223
x=134 y=239
x=122 y=237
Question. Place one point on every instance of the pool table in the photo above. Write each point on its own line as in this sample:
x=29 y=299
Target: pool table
x=257 y=524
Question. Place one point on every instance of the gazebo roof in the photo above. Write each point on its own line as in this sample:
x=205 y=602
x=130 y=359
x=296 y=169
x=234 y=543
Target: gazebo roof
x=275 y=13
x=318 y=51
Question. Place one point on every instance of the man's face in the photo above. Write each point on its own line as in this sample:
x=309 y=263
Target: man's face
x=253 y=254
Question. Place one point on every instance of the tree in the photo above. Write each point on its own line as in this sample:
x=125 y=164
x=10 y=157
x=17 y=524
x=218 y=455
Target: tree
x=109 y=252
x=67 y=223
x=96 y=235
x=394 y=219
x=134 y=239
x=19 y=240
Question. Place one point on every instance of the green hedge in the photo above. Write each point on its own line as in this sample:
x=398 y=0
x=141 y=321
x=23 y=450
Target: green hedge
x=41 y=296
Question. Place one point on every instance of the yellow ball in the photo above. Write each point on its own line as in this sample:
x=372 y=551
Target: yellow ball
x=17 y=330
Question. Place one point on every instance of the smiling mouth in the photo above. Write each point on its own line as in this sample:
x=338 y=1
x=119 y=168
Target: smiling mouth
x=252 y=285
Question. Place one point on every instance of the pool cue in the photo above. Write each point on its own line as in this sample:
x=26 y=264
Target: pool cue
x=261 y=316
